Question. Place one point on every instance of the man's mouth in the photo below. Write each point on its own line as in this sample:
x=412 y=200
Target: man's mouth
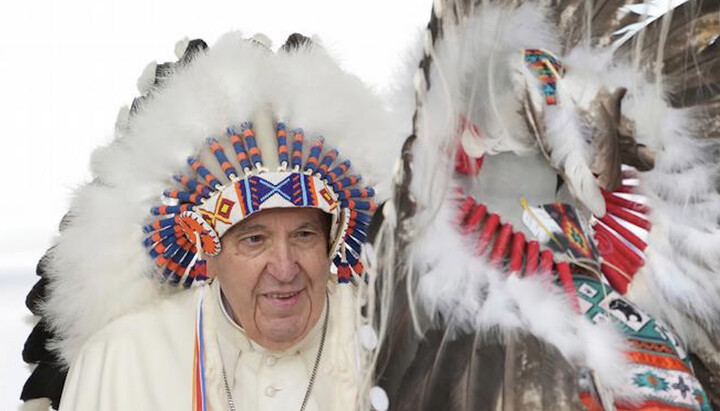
x=283 y=296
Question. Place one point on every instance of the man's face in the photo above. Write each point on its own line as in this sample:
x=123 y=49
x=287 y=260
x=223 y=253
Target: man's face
x=273 y=271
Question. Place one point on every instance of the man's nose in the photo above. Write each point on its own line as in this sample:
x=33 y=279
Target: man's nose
x=283 y=263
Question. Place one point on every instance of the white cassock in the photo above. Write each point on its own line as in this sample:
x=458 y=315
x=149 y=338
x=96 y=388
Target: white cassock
x=144 y=360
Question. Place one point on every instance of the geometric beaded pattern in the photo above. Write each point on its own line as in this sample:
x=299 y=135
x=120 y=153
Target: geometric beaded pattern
x=310 y=175
x=660 y=370
x=547 y=68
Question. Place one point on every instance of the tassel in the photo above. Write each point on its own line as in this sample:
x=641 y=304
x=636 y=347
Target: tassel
x=326 y=162
x=338 y=171
x=164 y=210
x=616 y=280
x=546 y=262
x=475 y=218
x=221 y=158
x=617 y=245
x=283 y=154
x=203 y=172
x=487 y=233
x=565 y=276
x=313 y=159
x=501 y=245
x=240 y=152
x=516 y=252
x=359 y=205
x=465 y=206
x=631 y=218
x=159 y=224
x=366 y=192
x=360 y=217
x=297 y=146
x=183 y=196
x=622 y=202
x=193 y=185
x=531 y=259
x=345 y=182
x=252 y=148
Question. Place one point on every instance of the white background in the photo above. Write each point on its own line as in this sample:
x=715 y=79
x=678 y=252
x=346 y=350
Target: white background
x=67 y=66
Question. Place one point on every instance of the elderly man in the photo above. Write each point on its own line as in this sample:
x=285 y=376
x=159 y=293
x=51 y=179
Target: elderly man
x=263 y=224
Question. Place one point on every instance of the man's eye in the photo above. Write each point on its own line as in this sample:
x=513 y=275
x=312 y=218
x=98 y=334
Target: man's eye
x=253 y=239
x=306 y=234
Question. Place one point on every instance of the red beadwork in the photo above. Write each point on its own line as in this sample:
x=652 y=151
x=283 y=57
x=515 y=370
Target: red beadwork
x=624 y=232
x=516 y=252
x=475 y=218
x=501 y=245
x=616 y=280
x=546 y=262
x=531 y=258
x=488 y=232
x=565 y=275
x=631 y=218
x=625 y=203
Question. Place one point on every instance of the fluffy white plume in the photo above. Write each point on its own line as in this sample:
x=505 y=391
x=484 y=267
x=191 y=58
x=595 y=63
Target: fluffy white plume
x=681 y=278
x=99 y=267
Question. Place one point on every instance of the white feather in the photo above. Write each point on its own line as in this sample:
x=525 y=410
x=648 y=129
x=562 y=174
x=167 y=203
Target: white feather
x=181 y=46
x=147 y=78
x=679 y=282
x=569 y=149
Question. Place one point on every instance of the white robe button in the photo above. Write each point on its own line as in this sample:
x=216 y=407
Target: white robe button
x=368 y=337
x=379 y=399
x=270 y=391
x=270 y=360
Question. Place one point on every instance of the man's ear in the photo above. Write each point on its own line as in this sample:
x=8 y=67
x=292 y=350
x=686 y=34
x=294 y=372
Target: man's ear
x=211 y=266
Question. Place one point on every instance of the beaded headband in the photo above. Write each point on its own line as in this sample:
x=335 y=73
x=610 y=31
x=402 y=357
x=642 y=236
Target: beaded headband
x=193 y=219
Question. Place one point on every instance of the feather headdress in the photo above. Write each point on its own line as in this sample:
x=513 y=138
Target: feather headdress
x=582 y=104
x=184 y=168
